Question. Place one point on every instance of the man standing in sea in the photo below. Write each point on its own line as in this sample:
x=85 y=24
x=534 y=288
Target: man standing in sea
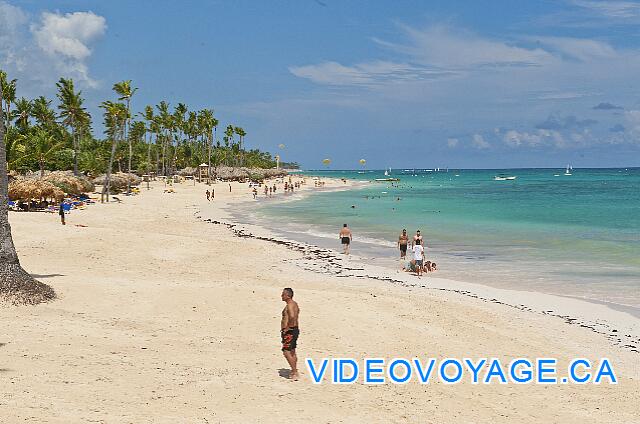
x=345 y=238
x=289 y=331
x=416 y=238
x=403 y=241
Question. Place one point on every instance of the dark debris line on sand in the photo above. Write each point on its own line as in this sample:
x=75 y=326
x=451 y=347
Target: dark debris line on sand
x=327 y=262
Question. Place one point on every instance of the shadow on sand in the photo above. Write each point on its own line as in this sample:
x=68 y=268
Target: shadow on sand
x=284 y=373
x=46 y=275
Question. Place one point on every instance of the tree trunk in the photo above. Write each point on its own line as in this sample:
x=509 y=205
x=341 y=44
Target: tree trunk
x=75 y=148
x=106 y=188
x=41 y=168
x=130 y=147
x=148 y=159
x=16 y=285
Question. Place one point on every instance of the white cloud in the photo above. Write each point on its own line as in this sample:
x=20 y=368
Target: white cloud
x=365 y=74
x=40 y=51
x=447 y=47
x=611 y=9
x=452 y=142
x=70 y=34
x=578 y=48
x=514 y=138
x=479 y=142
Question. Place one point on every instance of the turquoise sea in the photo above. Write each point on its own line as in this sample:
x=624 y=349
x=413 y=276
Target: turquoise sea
x=576 y=235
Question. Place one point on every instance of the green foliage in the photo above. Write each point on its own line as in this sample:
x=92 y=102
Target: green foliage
x=162 y=138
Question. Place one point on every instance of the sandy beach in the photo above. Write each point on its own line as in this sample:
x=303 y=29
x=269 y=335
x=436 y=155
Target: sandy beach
x=164 y=316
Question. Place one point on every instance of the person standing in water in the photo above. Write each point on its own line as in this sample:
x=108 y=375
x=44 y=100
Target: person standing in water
x=345 y=238
x=289 y=331
x=403 y=241
x=417 y=238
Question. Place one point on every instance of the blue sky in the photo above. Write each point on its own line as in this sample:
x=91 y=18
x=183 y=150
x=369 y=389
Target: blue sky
x=472 y=84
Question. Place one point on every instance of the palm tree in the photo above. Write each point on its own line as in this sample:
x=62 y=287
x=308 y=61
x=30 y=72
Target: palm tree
x=228 y=139
x=15 y=146
x=163 y=122
x=16 y=285
x=123 y=88
x=72 y=112
x=42 y=146
x=42 y=112
x=241 y=133
x=23 y=112
x=115 y=116
x=8 y=89
x=208 y=124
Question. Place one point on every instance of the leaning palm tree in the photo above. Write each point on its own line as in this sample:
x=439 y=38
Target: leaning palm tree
x=16 y=285
x=72 y=113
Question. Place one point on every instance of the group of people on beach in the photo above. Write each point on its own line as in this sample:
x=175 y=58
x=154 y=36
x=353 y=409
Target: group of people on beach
x=418 y=264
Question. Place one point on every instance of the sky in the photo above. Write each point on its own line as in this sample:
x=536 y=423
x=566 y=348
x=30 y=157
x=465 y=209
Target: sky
x=402 y=83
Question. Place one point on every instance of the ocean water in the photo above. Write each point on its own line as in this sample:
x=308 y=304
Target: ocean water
x=575 y=235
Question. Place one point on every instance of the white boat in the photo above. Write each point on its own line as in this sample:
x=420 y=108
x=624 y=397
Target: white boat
x=504 y=178
x=568 y=170
x=387 y=173
x=387 y=179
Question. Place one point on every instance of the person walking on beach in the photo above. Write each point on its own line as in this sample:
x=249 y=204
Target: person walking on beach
x=229 y=188
x=345 y=238
x=61 y=213
x=208 y=195
x=289 y=331
x=403 y=241
x=418 y=256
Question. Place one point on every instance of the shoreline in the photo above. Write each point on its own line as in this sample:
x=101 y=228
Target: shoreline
x=606 y=318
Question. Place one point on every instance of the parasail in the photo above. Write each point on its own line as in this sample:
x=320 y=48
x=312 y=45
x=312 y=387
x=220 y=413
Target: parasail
x=326 y=161
x=362 y=161
x=281 y=146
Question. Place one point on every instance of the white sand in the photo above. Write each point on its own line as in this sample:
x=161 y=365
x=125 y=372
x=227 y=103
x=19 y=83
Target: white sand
x=164 y=318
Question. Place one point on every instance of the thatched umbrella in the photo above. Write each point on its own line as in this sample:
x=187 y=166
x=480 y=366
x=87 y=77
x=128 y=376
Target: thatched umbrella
x=119 y=180
x=31 y=189
x=188 y=171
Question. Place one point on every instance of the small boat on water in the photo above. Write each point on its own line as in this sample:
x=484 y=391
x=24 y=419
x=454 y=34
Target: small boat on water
x=504 y=178
x=387 y=179
x=569 y=170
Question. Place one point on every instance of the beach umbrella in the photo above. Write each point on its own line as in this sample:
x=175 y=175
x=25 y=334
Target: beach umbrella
x=32 y=189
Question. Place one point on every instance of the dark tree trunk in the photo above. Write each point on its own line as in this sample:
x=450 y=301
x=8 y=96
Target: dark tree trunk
x=75 y=148
x=106 y=188
x=16 y=285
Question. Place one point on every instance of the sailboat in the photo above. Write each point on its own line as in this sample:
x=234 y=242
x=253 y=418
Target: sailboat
x=387 y=176
x=568 y=170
